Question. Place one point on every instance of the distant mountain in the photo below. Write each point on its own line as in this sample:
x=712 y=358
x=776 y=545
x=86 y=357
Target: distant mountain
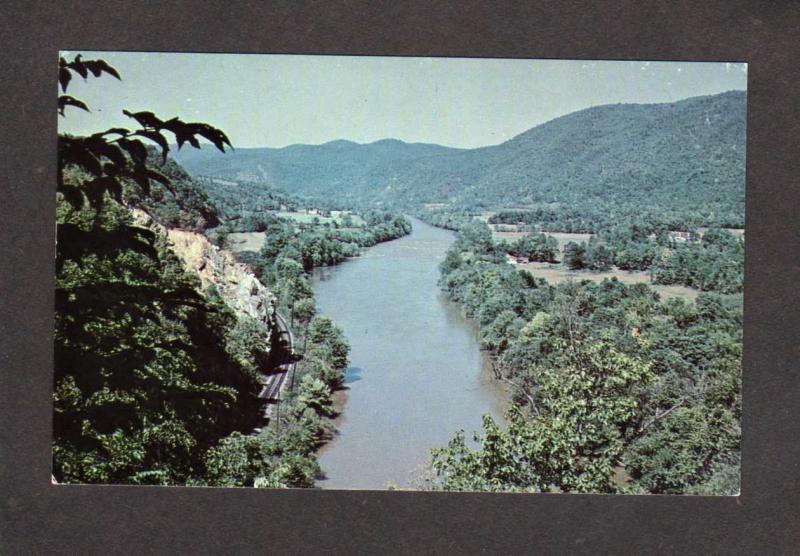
x=685 y=154
x=348 y=170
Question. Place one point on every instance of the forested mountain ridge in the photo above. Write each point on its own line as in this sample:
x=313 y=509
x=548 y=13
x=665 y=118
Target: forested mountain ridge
x=349 y=170
x=687 y=155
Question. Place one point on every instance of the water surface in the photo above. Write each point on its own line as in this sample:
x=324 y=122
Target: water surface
x=417 y=374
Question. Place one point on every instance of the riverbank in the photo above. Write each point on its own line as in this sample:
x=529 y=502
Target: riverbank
x=647 y=362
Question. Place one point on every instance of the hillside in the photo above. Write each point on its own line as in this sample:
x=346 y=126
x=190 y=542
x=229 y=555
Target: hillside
x=163 y=343
x=351 y=171
x=683 y=156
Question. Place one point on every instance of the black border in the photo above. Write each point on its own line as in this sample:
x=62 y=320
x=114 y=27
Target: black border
x=38 y=517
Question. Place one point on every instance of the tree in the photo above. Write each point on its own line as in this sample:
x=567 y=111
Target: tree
x=574 y=255
x=598 y=257
x=573 y=439
x=314 y=394
x=149 y=373
x=535 y=247
x=304 y=310
x=322 y=331
x=109 y=163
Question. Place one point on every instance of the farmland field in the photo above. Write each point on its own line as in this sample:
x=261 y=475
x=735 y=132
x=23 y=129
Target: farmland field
x=246 y=241
x=562 y=237
x=302 y=217
x=557 y=273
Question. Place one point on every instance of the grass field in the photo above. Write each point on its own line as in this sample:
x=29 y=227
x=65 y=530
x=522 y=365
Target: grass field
x=301 y=217
x=557 y=273
x=246 y=241
x=562 y=237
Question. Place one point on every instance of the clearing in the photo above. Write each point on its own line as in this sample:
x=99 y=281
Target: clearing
x=557 y=273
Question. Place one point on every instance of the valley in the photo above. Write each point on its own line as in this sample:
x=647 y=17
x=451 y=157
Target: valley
x=558 y=312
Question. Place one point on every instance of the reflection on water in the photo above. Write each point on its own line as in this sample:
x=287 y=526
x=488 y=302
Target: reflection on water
x=417 y=374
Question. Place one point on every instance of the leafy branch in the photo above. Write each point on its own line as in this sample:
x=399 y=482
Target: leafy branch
x=108 y=161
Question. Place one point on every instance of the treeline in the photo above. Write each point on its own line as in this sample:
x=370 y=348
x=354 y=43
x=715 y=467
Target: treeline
x=245 y=200
x=315 y=246
x=242 y=204
x=598 y=215
x=713 y=261
x=614 y=390
x=449 y=219
x=533 y=247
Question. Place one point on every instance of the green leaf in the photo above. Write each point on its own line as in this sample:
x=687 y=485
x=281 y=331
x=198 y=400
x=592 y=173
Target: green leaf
x=113 y=131
x=158 y=176
x=107 y=68
x=139 y=175
x=79 y=66
x=101 y=148
x=216 y=136
x=95 y=67
x=72 y=151
x=72 y=194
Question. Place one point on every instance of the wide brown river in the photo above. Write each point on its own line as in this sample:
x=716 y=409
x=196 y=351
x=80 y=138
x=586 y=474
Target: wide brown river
x=416 y=373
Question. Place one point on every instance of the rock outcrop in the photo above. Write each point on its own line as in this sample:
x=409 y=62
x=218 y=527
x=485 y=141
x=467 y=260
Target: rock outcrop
x=237 y=286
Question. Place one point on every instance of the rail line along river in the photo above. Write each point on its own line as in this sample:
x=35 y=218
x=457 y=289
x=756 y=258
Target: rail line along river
x=416 y=373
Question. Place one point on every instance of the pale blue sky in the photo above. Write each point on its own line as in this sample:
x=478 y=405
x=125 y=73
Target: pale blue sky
x=279 y=100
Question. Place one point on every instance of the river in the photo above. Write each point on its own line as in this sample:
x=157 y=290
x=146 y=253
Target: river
x=416 y=373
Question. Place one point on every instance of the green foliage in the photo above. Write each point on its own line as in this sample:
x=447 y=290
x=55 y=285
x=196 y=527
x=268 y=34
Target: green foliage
x=605 y=378
x=575 y=255
x=535 y=247
x=109 y=163
x=324 y=333
x=144 y=383
x=573 y=439
x=248 y=342
x=265 y=460
x=313 y=393
x=304 y=310
x=678 y=453
x=182 y=205
x=716 y=263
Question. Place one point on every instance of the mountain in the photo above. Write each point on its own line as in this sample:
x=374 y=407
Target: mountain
x=348 y=170
x=680 y=155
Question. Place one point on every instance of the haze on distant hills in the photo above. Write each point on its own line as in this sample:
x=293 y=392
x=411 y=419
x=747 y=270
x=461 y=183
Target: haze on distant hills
x=677 y=155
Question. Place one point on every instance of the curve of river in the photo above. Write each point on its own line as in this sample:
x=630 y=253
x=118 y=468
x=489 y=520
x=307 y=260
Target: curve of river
x=416 y=373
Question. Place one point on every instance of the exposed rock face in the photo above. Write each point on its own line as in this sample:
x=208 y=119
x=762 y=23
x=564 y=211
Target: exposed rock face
x=237 y=286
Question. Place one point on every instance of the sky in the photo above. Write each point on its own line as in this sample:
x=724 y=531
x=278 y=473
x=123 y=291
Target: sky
x=279 y=100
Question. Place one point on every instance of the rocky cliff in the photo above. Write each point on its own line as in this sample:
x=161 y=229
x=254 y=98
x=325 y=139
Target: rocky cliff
x=237 y=286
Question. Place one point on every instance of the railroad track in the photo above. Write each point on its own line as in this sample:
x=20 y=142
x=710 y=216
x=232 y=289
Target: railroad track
x=273 y=386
